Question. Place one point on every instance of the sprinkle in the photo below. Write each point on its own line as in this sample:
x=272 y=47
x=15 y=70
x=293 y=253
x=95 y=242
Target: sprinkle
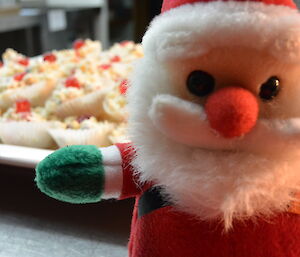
x=20 y=76
x=23 y=106
x=24 y=62
x=50 y=57
x=72 y=82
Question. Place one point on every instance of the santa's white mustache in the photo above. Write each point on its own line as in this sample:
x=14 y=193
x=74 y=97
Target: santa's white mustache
x=186 y=122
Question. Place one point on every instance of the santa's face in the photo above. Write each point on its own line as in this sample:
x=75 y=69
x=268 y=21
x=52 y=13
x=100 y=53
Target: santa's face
x=220 y=132
x=230 y=99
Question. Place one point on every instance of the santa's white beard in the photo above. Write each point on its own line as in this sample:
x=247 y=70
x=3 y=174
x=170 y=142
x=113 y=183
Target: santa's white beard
x=216 y=184
x=209 y=184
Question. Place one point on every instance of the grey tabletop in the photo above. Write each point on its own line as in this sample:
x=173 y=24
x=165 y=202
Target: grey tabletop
x=33 y=225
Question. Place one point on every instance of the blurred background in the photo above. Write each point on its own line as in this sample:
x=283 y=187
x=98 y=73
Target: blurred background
x=35 y=26
x=31 y=224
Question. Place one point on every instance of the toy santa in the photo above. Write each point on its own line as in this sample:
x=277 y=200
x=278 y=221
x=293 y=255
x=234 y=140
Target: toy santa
x=214 y=162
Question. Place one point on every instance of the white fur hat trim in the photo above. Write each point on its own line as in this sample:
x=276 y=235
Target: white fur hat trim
x=195 y=29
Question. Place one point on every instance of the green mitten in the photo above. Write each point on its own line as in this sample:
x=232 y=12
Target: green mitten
x=72 y=174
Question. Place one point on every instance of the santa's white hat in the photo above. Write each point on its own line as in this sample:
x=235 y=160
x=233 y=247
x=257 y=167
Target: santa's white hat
x=193 y=27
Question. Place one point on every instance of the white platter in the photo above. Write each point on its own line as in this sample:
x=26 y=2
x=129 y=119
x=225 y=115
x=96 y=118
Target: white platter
x=20 y=156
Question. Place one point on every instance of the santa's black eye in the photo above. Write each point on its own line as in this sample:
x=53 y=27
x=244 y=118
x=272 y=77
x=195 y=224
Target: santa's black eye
x=200 y=83
x=270 y=89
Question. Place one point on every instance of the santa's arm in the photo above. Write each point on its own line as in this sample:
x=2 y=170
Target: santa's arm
x=87 y=174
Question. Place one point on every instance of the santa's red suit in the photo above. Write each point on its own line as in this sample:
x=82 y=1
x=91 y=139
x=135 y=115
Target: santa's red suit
x=159 y=230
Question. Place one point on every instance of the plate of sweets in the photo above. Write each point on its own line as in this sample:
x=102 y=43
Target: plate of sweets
x=66 y=97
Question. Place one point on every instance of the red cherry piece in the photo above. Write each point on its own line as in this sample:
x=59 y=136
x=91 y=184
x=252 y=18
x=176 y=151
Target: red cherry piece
x=78 y=54
x=125 y=43
x=72 y=82
x=23 y=106
x=105 y=66
x=24 y=61
x=50 y=57
x=115 y=59
x=78 y=44
x=1 y=64
x=123 y=87
x=20 y=76
x=82 y=118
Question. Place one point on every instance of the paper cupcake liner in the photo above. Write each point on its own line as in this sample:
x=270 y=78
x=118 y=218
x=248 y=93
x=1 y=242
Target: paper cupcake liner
x=90 y=104
x=120 y=134
x=114 y=115
x=30 y=134
x=35 y=94
x=96 y=136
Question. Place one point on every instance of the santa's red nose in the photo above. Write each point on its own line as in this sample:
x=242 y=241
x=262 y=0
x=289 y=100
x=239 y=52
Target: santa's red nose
x=232 y=111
